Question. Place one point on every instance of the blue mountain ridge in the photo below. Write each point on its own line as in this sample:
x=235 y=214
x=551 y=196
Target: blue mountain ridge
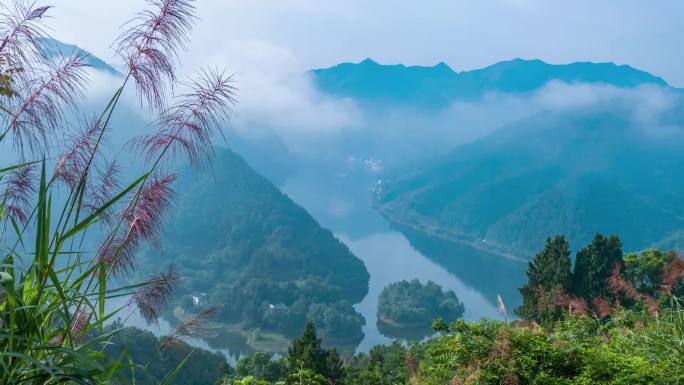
x=439 y=85
x=575 y=172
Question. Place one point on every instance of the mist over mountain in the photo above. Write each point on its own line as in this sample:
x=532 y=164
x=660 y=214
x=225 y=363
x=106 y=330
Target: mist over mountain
x=55 y=49
x=504 y=156
x=404 y=114
x=438 y=86
x=497 y=158
x=575 y=174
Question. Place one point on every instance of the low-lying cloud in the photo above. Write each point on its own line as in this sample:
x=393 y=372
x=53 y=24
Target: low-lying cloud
x=393 y=134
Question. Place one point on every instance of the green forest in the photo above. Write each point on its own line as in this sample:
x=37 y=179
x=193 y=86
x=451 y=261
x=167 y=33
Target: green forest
x=612 y=319
x=265 y=262
x=413 y=304
x=117 y=208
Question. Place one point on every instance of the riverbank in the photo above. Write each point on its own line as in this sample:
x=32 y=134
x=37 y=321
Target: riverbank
x=424 y=225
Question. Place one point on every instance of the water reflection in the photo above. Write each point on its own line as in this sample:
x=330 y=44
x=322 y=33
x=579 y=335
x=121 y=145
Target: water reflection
x=231 y=348
x=489 y=274
x=408 y=334
x=341 y=201
x=389 y=258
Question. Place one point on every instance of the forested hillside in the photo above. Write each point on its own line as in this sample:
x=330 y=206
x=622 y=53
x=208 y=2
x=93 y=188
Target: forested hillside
x=613 y=319
x=242 y=245
x=573 y=173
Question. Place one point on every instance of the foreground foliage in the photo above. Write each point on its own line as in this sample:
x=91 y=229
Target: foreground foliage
x=68 y=225
x=633 y=335
x=632 y=348
x=156 y=359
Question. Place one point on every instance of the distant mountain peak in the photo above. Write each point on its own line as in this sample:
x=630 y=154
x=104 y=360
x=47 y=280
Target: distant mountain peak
x=442 y=66
x=439 y=85
x=369 y=62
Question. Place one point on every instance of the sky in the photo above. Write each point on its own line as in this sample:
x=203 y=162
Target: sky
x=278 y=38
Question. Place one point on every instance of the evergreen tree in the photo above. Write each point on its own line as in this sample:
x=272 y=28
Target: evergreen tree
x=335 y=367
x=306 y=353
x=547 y=274
x=261 y=366
x=304 y=376
x=594 y=265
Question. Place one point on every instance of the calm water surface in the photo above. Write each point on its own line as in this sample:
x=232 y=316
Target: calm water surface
x=341 y=201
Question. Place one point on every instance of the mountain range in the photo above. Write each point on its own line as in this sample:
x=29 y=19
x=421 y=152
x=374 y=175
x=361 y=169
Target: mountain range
x=576 y=170
x=608 y=165
x=438 y=86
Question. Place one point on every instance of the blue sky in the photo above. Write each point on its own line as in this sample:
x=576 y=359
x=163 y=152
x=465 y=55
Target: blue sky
x=295 y=35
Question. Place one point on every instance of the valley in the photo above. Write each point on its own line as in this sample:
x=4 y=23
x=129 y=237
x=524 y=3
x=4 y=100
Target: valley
x=468 y=218
x=341 y=193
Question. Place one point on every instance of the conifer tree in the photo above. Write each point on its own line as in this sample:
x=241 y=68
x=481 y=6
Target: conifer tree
x=335 y=367
x=306 y=352
x=594 y=265
x=547 y=275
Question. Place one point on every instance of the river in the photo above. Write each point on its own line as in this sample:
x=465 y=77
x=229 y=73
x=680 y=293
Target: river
x=342 y=202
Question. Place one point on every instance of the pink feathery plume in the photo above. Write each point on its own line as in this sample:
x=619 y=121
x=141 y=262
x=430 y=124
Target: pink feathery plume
x=107 y=184
x=618 y=285
x=19 y=190
x=652 y=306
x=21 y=31
x=72 y=163
x=601 y=307
x=41 y=110
x=118 y=254
x=673 y=272
x=143 y=221
x=190 y=125
x=150 y=46
x=145 y=218
x=151 y=298
x=576 y=306
x=78 y=324
x=194 y=326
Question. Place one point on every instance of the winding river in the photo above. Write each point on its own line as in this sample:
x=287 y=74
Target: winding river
x=341 y=201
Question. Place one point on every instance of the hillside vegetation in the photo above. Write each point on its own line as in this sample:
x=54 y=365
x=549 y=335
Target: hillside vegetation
x=572 y=173
x=611 y=320
x=407 y=304
x=242 y=245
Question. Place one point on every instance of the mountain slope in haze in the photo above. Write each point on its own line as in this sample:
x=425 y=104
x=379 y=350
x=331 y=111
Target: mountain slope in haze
x=259 y=256
x=439 y=86
x=576 y=173
x=55 y=48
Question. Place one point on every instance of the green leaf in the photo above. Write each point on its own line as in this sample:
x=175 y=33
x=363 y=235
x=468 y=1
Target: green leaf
x=169 y=377
x=16 y=166
x=87 y=221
